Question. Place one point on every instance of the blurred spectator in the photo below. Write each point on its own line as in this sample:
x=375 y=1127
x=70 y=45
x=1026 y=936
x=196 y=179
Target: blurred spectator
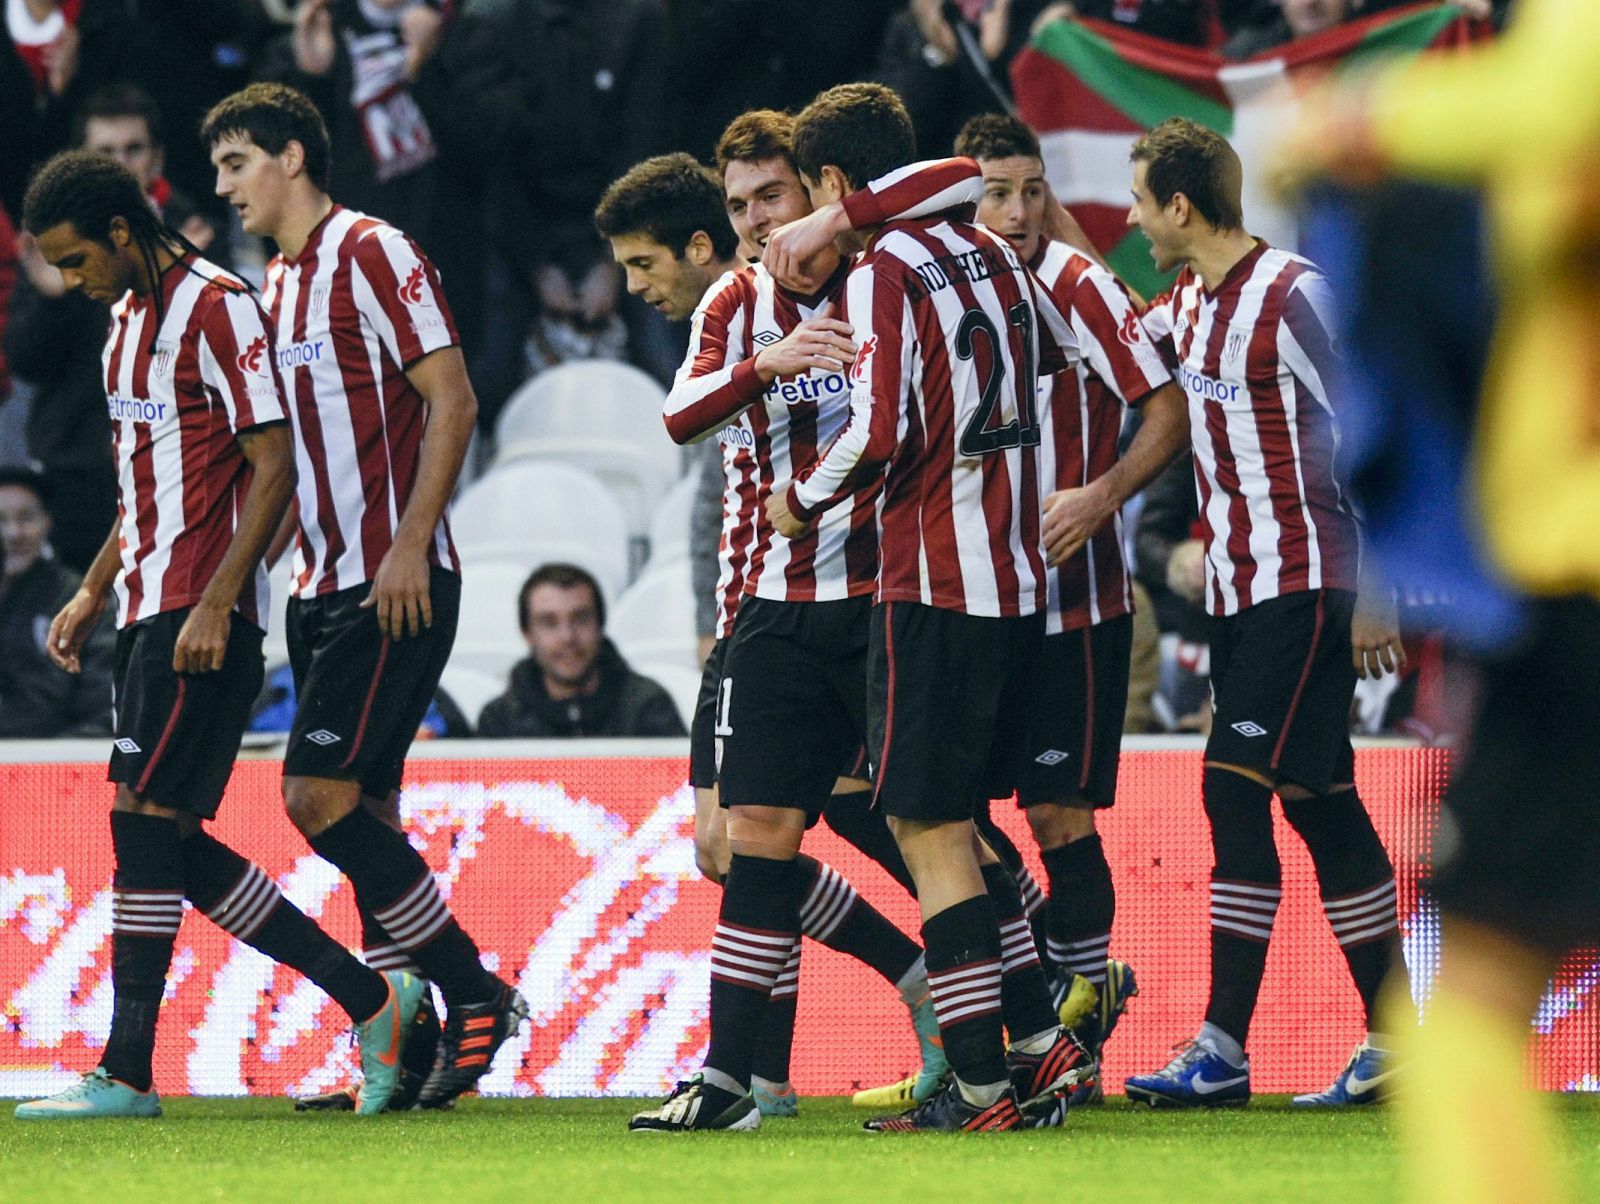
x=39 y=44
x=575 y=682
x=8 y=284
x=589 y=101
x=1169 y=562
x=1294 y=19
x=120 y=120
x=1189 y=22
x=38 y=700
x=416 y=97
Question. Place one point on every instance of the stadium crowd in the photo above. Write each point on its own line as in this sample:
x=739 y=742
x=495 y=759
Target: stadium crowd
x=488 y=130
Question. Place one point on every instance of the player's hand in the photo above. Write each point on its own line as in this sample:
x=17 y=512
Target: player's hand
x=400 y=594
x=203 y=639
x=420 y=29
x=782 y=518
x=1186 y=570
x=312 y=40
x=71 y=628
x=821 y=342
x=1375 y=636
x=792 y=249
x=1071 y=517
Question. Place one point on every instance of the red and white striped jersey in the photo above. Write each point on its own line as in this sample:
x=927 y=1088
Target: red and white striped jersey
x=1082 y=410
x=786 y=423
x=950 y=329
x=357 y=306
x=1255 y=359
x=177 y=395
x=717 y=390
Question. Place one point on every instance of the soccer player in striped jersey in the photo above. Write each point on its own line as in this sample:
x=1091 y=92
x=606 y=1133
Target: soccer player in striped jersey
x=943 y=399
x=1294 y=615
x=1075 y=716
x=382 y=412
x=205 y=474
x=768 y=361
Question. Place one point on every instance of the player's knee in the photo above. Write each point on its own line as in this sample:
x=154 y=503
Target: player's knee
x=1057 y=824
x=315 y=804
x=128 y=800
x=1240 y=811
x=773 y=832
x=1339 y=833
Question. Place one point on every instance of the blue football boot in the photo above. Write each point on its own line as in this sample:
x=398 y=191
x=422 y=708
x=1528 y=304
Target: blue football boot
x=95 y=1095
x=1363 y=1080
x=1196 y=1078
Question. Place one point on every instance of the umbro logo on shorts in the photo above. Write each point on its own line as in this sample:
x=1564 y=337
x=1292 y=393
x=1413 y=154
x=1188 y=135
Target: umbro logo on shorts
x=1052 y=756
x=322 y=736
x=126 y=745
x=1249 y=728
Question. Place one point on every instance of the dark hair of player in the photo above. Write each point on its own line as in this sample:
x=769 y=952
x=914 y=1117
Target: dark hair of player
x=755 y=137
x=1182 y=156
x=272 y=116
x=119 y=100
x=997 y=136
x=670 y=198
x=562 y=576
x=862 y=129
x=89 y=190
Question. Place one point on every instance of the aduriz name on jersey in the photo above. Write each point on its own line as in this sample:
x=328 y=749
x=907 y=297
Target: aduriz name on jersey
x=132 y=409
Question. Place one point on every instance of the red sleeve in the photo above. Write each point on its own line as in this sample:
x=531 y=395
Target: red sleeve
x=1114 y=341
x=874 y=301
x=237 y=358
x=919 y=190
x=398 y=291
x=718 y=378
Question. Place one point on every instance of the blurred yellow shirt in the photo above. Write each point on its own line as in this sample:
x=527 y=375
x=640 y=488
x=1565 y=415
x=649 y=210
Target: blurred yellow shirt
x=1521 y=118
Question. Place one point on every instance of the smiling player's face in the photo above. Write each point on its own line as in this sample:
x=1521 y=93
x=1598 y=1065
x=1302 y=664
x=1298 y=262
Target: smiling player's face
x=761 y=197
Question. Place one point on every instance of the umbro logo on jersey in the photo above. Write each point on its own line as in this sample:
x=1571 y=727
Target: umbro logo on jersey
x=1131 y=333
x=766 y=338
x=1248 y=727
x=1052 y=756
x=126 y=745
x=249 y=360
x=862 y=368
x=322 y=736
x=411 y=291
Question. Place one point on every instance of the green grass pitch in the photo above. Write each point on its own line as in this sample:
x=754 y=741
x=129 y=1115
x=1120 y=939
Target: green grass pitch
x=577 y=1152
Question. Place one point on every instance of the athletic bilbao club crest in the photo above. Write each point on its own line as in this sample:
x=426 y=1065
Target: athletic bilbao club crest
x=411 y=291
x=250 y=359
x=319 y=299
x=862 y=368
x=1235 y=345
x=161 y=362
x=1130 y=332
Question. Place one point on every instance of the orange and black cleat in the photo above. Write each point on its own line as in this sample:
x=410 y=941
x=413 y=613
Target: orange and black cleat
x=473 y=1034
x=949 y=1112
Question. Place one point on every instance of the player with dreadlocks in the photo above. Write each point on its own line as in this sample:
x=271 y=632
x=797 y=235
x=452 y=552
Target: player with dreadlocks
x=205 y=468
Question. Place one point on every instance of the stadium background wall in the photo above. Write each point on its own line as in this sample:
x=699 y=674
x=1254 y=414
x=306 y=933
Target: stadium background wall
x=573 y=867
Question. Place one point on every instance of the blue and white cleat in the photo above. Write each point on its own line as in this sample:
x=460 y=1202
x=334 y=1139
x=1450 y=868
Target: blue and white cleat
x=774 y=1105
x=1363 y=1080
x=95 y=1095
x=381 y=1038
x=1196 y=1078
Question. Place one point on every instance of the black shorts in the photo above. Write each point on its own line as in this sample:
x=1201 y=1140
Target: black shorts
x=359 y=697
x=1282 y=680
x=702 y=732
x=177 y=734
x=794 y=701
x=1519 y=837
x=1080 y=695
x=949 y=695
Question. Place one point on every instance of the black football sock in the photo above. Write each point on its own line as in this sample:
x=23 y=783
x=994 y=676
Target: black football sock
x=1357 y=885
x=833 y=914
x=963 y=944
x=757 y=929
x=1246 y=886
x=239 y=898
x=851 y=814
x=776 y=1043
x=1033 y=899
x=1083 y=904
x=393 y=880
x=378 y=948
x=1025 y=992
x=146 y=910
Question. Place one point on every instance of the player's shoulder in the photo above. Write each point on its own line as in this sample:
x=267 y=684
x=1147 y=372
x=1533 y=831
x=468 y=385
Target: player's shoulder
x=731 y=290
x=219 y=294
x=371 y=240
x=1283 y=272
x=1064 y=269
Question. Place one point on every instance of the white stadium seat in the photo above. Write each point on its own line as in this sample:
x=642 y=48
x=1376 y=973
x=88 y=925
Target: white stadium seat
x=532 y=512
x=681 y=682
x=669 y=528
x=600 y=415
x=654 y=620
x=489 y=638
x=472 y=689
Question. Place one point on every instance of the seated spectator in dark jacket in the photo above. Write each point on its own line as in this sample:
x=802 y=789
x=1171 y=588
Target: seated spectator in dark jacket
x=575 y=683
x=38 y=699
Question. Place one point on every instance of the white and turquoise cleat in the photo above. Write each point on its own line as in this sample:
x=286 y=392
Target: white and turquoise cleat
x=96 y=1094
x=381 y=1039
x=935 y=1068
x=772 y=1104
x=1363 y=1080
